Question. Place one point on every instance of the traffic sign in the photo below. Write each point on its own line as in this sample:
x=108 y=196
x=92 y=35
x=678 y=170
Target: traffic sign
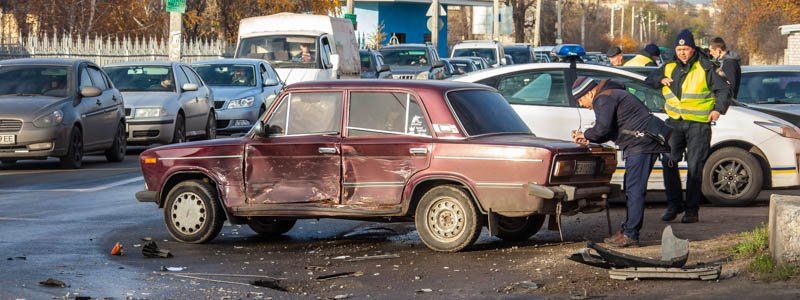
x=430 y=24
x=442 y=11
x=178 y=6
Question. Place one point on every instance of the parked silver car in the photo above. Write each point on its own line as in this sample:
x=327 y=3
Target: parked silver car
x=166 y=102
x=61 y=108
x=242 y=88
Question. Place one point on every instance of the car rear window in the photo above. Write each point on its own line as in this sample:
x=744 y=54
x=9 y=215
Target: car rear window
x=485 y=112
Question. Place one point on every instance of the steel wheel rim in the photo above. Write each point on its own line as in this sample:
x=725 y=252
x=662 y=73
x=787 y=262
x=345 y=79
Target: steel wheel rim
x=189 y=213
x=731 y=177
x=446 y=219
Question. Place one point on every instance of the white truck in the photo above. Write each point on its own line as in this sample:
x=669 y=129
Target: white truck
x=301 y=47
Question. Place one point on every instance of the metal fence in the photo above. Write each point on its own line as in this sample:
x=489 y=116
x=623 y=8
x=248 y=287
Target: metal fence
x=107 y=50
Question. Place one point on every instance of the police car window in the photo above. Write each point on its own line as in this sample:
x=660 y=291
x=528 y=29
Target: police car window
x=651 y=97
x=385 y=114
x=535 y=88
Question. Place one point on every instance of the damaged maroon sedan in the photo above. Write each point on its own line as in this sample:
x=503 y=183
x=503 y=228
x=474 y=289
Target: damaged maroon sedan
x=453 y=157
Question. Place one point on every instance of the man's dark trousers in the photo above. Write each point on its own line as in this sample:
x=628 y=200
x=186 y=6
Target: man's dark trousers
x=693 y=139
x=637 y=172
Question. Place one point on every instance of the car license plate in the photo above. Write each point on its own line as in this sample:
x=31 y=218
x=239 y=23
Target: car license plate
x=8 y=139
x=584 y=168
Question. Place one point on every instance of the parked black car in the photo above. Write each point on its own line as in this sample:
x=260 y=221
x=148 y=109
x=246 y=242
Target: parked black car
x=372 y=65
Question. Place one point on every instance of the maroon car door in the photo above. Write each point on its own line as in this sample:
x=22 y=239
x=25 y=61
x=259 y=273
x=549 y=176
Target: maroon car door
x=300 y=162
x=388 y=140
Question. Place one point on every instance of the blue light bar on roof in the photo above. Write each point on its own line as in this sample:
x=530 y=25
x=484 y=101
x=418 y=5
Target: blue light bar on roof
x=569 y=50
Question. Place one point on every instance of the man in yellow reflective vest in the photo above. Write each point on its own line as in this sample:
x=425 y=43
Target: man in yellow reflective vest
x=646 y=58
x=695 y=97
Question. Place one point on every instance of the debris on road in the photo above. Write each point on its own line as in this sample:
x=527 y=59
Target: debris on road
x=118 y=249
x=702 y=273
x=339 y=275
x=342 y=296
x=373 y=257
x=18 y=258
x=526 y=285
x=315 y=268
x=173 y=269
x=147 y=239
x=424 y=290
x=271 y=284
x=53 y=283
x=342 y=257
x=151 y=250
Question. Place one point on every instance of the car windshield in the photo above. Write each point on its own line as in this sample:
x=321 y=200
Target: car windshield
x=406 y=57
x=463 y=67
x=34 y=80
x=142 y=78
x=487 y=53
x=520 y=55
x=227 y=75
x=770 y=88
x=366 y=65
x=281 y=51
x=485 y=112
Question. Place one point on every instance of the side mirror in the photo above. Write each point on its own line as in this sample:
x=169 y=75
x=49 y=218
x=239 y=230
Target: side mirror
x=438 y=64
x=503 y=61
x=334 y=61
x=384 y=68
x=90 y=91
x=189 y=87
x=258 y=129
x=270 y=82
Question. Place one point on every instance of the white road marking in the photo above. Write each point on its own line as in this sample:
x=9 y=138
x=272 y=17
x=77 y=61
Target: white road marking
x=83 y=190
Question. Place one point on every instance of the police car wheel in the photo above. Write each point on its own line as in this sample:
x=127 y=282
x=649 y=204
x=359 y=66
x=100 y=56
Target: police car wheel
x=732 y=177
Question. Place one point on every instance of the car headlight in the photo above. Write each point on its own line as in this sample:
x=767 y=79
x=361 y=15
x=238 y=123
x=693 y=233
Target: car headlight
x=423 y=75
x=150 y=112
x=784 y=130
x=241 y=103
x=49 y=120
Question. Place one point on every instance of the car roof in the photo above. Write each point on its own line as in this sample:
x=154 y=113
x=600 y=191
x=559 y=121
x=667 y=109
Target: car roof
x=477 y=44
x=43 y=61
x=142 y=63
x=230 y=61
x=486 y=73
x=406 y=46
x=771 y=68
x=439 y=85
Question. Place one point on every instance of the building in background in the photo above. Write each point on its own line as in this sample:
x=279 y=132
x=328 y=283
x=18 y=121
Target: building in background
x=791 y=55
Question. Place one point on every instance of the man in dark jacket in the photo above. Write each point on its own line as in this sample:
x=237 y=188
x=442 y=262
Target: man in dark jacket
x=622 y=118
x=695 y=97
x=646 y=58
x=729 y=64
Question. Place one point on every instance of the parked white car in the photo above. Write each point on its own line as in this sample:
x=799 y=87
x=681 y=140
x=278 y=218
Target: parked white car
x=760 y=150
x=492 y=51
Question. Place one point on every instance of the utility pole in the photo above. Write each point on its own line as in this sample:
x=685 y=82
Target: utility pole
x=175 y=8
x=558 y=22
x=350 y=7
x=496 y=20
x=583 y=25
x=611 y=33
x=650 y=26
x=435 y=30
x=537 y=26
x=622 y=24
x=633 y=19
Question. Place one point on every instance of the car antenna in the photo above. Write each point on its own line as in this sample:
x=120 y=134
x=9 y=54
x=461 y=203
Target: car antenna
x=283 y=81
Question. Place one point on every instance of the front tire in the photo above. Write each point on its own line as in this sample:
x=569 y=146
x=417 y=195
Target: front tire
x=446 y=220
x=193 y=213
x=211 y=126
x=117 y=151
x=269 y=227
x=74 y=157
x=520 y=228
x=179 y=135
x=732 y=177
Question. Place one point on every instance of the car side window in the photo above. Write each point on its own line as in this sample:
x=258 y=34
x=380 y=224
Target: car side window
x=86 y=80
x=181 y=78
x=307 y=113
x=193 y=78
x=264 y=74
x=97 y=78
x=385 y=113
x=326 y=50
x=651 y=97
x=535 y=88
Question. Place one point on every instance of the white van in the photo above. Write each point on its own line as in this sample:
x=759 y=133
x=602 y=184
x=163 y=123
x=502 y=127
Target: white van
x=492 y=51
x=301 y=47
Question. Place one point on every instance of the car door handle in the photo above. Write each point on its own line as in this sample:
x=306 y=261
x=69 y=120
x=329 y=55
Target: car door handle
x=114 y=98
x=98 y=102
x=418 y=151
x=326 y=150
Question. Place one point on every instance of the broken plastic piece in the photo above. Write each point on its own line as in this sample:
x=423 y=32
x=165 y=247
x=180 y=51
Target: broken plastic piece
x=53 y=283
x=340 y=275
x=704 y=273
x=383 y=256
x=151 y=250
x=674 y=254
x=118 y=249
x=272 y=284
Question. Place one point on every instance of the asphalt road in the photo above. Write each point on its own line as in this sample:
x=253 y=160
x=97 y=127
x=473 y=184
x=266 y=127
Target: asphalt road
x=65 y=222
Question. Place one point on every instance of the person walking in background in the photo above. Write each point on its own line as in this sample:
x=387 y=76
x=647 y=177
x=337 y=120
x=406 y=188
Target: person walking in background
x=647 y=57
x=728 y=62
x=615 y=56
x=695 y=97
x=621 y=117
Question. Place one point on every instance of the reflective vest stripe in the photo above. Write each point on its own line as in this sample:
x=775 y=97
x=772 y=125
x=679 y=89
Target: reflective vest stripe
x=696 y=100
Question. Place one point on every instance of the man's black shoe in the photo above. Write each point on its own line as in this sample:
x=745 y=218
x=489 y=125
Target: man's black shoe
x=690 y=218
x=670 y=215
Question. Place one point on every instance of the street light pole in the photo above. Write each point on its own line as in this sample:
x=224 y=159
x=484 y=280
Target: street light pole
x=537 y=25
x=558 y=23
x=350 y=7
x=496 y=20
x=622 y=24
x=611 y=33
x=435 y=30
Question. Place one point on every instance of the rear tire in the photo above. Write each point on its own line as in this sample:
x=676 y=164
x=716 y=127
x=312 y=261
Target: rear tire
x=211 y=126
x=732 y=177
x=520 y=228
x=179 y=135
x=192 y=212
x=269 y=227
x=117 y=151
x=74 y=157
x=446 y=220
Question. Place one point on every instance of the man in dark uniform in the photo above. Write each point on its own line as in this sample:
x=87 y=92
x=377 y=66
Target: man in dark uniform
x=622 y=118
x=728 y=62
x=695 y=97
x=646 y=58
